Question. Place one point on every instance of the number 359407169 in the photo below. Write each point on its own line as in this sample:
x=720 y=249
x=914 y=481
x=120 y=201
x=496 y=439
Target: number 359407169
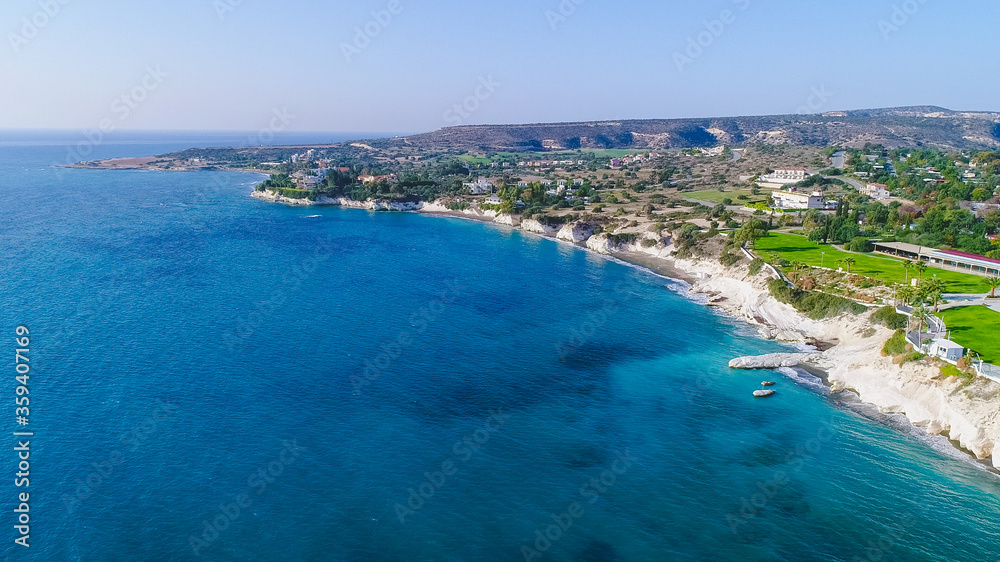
x=22 y=366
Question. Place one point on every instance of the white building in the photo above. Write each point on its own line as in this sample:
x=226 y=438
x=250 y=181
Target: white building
x=946 y=349
x=793 y=200
x=876 y=191
x=481 y=187
x=786 y=176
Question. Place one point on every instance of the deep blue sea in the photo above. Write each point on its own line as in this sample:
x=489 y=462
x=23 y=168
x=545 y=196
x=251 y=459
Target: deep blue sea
x=215 y=377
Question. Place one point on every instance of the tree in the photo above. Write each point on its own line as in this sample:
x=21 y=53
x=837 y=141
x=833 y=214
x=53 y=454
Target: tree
x=849 y=262
x=795 y=266
x=931 y=290
x=993 y=283
x=921 y=314
x=921 y=268
x=907 y=266
x=750 y=232
x=905 y=294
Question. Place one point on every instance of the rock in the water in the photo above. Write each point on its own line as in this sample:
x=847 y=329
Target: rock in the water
x=767 y=383
x=763 y=393
x=772 y=361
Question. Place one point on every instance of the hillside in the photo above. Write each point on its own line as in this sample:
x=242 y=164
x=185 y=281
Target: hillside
x=895 y=127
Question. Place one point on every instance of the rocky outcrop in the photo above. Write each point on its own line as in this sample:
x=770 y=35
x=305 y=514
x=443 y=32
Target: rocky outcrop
x=602 y=244
x=772 y=361
x=577 y=232
x=505 y=220
x=532 y=225
x=370 y=204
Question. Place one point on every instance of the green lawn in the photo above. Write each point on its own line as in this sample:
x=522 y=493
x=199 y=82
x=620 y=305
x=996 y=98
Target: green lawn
x=977 y=328
x=716 y=196
x=801 y=249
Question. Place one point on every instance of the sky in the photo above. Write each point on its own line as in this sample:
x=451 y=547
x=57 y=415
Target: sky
x=416 y=65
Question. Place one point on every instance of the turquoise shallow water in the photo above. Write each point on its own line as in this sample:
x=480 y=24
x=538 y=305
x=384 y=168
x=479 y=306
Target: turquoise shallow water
x=290 y=375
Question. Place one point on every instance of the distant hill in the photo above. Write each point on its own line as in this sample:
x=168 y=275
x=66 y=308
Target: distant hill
x=893 y=127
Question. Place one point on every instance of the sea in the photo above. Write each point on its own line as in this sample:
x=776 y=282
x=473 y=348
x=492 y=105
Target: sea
x=211 y=377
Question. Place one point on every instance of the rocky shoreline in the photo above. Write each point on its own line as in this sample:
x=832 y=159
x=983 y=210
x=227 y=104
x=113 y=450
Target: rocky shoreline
x=849 y=348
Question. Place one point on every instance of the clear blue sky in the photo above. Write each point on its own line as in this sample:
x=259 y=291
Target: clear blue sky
x=607 y=60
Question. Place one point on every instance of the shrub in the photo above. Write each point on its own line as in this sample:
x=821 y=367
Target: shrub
x=859 y=244
x=948 y=371
x=910 y=357
x=896 y=345
x=292 y=193
x=727 y=259
x=756 y=265
x=648 y=243
x=888 y=317
x=814 y=305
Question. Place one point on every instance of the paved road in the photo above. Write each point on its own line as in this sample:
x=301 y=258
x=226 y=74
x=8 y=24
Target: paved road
x=737 y=155
x=838 y=160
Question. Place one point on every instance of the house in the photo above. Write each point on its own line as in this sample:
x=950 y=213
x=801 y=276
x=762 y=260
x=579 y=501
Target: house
x=577 y=182
x=946 y=349
x=391 y=178
x=876 y=191
x=791 y=200
x=493 y=200
x=786 y=176
x=481 y=187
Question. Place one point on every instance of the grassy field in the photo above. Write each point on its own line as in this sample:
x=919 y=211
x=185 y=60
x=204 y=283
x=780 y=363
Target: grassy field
x=803 y=250
x=977 y=328
x=716 y=196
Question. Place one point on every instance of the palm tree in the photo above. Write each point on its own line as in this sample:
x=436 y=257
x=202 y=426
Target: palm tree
x=993 y=283
x=795 y=270
x=907 y=265
x=905 y=294
x=849 y=262
x=921 y=268
x=921 y=314
x=932 y=289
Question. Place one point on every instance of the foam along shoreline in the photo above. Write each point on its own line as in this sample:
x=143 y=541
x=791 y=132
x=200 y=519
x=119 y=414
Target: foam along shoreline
x=849 y=347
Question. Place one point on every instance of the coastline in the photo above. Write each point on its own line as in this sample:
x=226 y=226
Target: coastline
x=849 y=356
